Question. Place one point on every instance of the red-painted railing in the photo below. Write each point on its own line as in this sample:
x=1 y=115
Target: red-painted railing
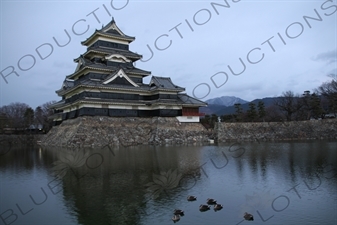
x=193 y=114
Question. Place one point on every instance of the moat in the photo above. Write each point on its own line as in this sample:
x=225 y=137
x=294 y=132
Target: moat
x=291 y=182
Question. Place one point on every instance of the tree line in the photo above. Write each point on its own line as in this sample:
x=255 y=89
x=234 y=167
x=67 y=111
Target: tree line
x=20 y=116
x=287 y=107
x=320 y=104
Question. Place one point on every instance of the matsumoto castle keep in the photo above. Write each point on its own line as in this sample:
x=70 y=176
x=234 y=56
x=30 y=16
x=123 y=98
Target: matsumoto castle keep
x=106 y=83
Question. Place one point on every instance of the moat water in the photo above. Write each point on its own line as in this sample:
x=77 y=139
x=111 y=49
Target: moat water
x=279 y=183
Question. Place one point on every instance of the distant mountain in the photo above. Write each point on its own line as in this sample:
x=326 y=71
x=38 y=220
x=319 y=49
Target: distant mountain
x=226 y=110
x=218 y=104
x=211 y=109
x=226 y=101
x=231 y=109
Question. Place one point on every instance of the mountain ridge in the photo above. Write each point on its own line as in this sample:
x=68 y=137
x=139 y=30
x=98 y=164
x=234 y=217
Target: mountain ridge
x=220 y=110
x=226 y=100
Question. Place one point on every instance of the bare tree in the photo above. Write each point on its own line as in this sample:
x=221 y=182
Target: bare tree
x=329 y=91
x=43 y=114
x=15 y=114
x=333 y=76
x=328 y=88
x=39 y=117
x=288 y=104
x=3 y=121
x=20 y=115
x=273 y=114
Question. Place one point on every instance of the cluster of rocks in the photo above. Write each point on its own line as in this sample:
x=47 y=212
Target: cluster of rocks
x=294 y=130
x=101 y=131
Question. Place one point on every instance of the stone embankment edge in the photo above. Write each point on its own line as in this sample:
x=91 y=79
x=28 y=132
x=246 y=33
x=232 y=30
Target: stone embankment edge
x=101 y=131
x=276 y=131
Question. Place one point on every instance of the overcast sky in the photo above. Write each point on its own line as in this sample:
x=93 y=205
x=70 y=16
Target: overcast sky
x=248 y=49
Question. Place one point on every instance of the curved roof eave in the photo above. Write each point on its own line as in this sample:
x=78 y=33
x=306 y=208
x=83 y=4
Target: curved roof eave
x=84 y=68
x=99 y=33
x=134 y=56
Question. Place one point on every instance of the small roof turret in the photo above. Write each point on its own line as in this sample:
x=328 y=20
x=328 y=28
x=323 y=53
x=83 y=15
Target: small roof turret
x=110 y=30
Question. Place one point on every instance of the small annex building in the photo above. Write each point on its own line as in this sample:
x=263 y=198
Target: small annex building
x=106 y=83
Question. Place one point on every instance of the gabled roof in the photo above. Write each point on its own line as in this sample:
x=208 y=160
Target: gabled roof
x=119 y=73
x=84 y=63
x=111 y=31
x=94 y=84
x=164 y=83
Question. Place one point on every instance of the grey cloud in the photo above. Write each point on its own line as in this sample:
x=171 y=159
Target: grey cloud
x=330 y=56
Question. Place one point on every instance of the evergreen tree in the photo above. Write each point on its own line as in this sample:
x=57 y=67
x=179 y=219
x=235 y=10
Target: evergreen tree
x=315 y=106
x=251 y=113
x=305 y=112
x=238 y=112
x=261 y=110
x=311 y=106
x=28 y=117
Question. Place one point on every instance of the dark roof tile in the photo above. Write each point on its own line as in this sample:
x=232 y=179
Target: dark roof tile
x=164 y=82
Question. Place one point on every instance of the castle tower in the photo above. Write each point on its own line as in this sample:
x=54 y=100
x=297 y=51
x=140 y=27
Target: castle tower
x=106 y=83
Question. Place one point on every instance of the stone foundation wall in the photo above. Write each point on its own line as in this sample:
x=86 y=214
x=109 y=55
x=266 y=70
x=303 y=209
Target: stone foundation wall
x=101 y=131
x=295 y=130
